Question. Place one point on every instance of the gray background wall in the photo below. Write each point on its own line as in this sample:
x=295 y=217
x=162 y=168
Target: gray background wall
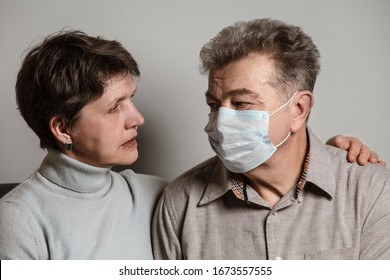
x=351 y=96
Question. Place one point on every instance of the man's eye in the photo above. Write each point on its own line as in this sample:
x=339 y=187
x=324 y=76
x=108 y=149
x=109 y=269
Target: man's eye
x=240 y=104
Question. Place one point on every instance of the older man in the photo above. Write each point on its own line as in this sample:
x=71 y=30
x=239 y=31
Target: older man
x=274 y=191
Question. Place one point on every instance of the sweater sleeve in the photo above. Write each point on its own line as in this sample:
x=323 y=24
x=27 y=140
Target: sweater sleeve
x=17 y=235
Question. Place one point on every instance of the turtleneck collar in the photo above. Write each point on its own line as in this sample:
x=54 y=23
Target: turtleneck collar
x=73 y=174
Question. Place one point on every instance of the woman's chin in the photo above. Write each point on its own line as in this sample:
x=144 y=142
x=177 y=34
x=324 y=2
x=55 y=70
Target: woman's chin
x=128 y=159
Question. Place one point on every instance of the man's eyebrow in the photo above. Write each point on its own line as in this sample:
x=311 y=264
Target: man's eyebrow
x=235 y=92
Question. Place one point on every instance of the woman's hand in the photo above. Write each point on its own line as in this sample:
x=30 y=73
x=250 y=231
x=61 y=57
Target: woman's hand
x=357 y=150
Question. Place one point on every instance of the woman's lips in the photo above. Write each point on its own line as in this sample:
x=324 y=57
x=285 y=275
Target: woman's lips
x=131 y=143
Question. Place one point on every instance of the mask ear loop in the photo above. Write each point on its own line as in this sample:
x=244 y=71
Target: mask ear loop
x=289 y=133
x=285 y=104
x=285 y=139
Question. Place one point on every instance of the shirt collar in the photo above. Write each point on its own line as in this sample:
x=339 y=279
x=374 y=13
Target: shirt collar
x=318 y=173
x=320 y=168
x=218 y=184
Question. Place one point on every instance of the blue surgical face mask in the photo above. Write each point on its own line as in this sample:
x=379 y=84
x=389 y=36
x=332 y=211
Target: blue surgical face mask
x=240 y=137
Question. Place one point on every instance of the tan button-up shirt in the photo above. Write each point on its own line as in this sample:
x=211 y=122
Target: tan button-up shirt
x=343 y=212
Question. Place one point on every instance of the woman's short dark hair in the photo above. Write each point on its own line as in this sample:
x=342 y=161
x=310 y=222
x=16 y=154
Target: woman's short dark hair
x=62 y=74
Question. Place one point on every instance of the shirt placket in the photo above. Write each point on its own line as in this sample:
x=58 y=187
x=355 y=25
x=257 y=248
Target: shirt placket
x=273 y=224
x=272 y=236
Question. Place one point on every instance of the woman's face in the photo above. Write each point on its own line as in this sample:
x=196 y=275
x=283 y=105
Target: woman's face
x=105 y=133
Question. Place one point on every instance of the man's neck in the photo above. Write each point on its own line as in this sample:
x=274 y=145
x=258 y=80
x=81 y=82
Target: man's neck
x=273 y=179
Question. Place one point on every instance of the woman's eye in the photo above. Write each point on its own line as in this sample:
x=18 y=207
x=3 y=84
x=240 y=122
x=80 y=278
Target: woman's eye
x=114 y=108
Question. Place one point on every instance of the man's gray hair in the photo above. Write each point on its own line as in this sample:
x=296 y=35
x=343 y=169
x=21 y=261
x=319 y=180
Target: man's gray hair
x=294 y=54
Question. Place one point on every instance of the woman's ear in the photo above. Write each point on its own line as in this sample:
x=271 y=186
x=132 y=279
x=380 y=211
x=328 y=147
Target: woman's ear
x=302 y=104
x=59 y=130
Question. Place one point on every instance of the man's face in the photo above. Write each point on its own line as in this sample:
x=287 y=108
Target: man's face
x=246 y=85
x=105 y=133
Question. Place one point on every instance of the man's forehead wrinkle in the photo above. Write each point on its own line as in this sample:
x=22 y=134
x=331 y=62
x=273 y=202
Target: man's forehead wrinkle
x=242 y=91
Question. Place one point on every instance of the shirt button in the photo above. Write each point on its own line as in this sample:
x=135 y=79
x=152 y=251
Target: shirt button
x=278 y=258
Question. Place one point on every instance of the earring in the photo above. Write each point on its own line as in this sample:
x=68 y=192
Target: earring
x=68 y=146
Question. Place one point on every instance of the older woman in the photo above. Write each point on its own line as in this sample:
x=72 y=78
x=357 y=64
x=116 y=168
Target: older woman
x=75 y=91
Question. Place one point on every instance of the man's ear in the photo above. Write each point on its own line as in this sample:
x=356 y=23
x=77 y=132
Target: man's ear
x=59 y=130
x=302 y=104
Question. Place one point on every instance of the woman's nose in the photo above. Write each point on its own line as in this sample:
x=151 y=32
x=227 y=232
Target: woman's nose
x=134 y=118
